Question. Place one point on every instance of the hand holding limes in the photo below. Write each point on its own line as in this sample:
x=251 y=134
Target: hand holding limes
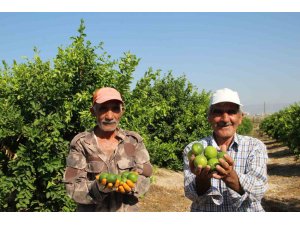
x=200 y=158
x=123 y=183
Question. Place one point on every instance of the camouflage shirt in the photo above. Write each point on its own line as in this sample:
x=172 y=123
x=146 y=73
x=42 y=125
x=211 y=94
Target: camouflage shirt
x=86 y=160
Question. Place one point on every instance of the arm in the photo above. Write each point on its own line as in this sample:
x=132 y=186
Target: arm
x=254 y=181
x=144 y=168
x=78 y=187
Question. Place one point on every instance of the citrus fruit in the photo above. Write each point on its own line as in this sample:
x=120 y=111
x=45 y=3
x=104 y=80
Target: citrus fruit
x=200 y=160
x=189 y=155
x=111 y=178
x=123 y=180
x=213 y=162
x=133 y=177
x=197 y=148
x=125 y=174
x=119 y=177
x=210 y=152
x=102 y=176
x=221 y=155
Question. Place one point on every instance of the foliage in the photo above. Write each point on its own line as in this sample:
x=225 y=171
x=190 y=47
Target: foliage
x=284 y=126
x=42 y=107
x=44 y=104
x=169 y=113
x=246 y=127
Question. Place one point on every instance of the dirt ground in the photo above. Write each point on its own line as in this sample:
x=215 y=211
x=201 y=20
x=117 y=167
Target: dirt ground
x=166 y=192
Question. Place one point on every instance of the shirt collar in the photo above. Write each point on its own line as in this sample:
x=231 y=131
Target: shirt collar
x=120 y=133
x=234 y=145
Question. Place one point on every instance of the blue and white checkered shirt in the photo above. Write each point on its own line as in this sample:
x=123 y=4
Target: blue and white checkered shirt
x=250 y=163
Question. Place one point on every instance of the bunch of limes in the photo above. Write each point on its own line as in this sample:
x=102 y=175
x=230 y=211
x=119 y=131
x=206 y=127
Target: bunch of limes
x=205 y=156
x=123 y=182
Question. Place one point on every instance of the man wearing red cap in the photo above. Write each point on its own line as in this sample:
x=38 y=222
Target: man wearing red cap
x=239 y=181
x=106 y=148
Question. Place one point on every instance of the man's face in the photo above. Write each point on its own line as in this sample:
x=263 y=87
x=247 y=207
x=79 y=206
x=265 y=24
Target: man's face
x=225 y=118
x=108 y=115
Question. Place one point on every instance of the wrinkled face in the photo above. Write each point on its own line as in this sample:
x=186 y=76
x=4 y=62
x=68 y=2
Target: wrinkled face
x=225 y=119
x=108 y=115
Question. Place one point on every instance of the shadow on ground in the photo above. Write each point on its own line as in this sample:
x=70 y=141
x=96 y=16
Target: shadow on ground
x=284 y=170
x=282 y=153
x=275 y=146
x=291 y=205
x=269 y=142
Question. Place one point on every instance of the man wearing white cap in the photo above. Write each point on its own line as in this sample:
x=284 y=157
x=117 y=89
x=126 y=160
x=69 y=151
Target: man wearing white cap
x=107 y=148
x=240 y=180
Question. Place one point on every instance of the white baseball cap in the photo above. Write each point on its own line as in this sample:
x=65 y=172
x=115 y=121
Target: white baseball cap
x=225 y=95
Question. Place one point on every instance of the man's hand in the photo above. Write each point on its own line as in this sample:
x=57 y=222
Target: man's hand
x=225 y=171
x=202 y=176
x=225 y=167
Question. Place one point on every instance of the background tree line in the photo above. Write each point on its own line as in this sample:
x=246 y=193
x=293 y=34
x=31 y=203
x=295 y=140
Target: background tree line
x=44 y=104
x=284 y=126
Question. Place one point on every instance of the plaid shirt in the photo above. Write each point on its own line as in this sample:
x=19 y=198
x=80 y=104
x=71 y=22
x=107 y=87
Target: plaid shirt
x=250 y=163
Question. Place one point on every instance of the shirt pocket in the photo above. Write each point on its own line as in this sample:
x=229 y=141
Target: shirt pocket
x=126 y=163
x=95 y=167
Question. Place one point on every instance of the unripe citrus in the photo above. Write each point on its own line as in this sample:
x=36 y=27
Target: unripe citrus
x=210 y=152
x=200 y=160
x=189 y=155
x=197 y=148
x=221 y=155
x=125 y=174
x=213 y=162
x=133 y=177
x=111 y=178
x=102 y=176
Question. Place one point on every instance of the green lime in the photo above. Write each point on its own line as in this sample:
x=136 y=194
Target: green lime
x=125 y=174
x=197 y=148
x=189 y=155
x=221 y=155
x=200 y=160
x=133 y=177
x=210 y=152
x=123 y=179
x=213 y=162
x=102 y=176
x=111 y=178
x=119 y=177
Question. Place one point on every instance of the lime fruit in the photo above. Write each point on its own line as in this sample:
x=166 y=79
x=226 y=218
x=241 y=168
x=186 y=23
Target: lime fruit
x=119 y=177
x=200 y=160
x=125 y=174
x=210 y=152
x=221 y=155
x=111 y=178
x=133 y=177
x=197 y=148
x=189 y=155
x=213 y=162
x=123 y=179
x=102 y=176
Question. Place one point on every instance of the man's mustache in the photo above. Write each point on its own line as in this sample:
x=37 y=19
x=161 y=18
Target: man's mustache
x=223 y=124
x=109 y=121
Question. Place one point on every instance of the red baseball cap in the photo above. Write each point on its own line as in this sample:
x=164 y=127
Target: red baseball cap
x=106 y=94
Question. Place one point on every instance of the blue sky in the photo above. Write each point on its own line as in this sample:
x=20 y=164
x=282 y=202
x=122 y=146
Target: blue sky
x=256 y=54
